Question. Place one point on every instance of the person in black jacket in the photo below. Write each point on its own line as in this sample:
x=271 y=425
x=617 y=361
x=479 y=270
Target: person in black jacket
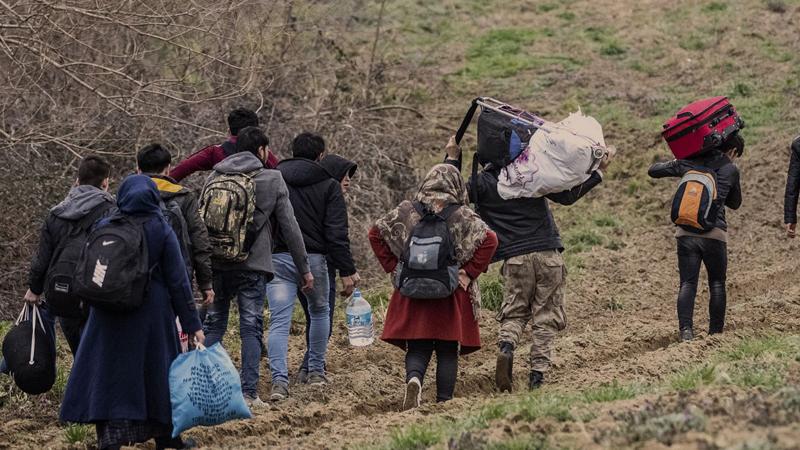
x=792 y=190
x=321 y=212
x=155 y=161
x=87 y=201
x=342 y=170
x=533 y=268
x=709 y=248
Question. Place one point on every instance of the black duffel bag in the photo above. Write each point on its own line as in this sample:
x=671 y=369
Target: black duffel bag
x=30 y=353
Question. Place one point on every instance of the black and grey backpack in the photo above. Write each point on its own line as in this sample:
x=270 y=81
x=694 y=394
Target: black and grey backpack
x=113 y=271
x=428 y=268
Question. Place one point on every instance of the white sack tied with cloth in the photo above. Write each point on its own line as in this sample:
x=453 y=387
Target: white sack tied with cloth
x=558 y=157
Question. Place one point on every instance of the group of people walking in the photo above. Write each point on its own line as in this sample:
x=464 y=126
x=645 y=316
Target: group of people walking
x=294 y=243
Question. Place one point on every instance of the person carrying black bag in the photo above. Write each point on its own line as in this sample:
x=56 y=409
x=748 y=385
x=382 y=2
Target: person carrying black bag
x=59 y=247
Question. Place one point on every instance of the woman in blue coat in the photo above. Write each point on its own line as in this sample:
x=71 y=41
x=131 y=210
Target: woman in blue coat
x=120 y=378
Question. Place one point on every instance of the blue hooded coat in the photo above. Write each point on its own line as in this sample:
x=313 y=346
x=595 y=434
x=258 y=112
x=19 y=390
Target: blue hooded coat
x=121 y=370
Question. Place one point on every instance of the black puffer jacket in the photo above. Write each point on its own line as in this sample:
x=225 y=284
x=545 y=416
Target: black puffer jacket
x=729 y=192
x=320 y=210
x=522 y=225
x=792 y=184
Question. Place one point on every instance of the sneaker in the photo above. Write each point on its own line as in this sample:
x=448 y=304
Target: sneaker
x=687 y=334
x=413 y=394
x=280 y=392
x=254 y=402
x=536 y=380
x=503 y=377
x=302 y=376
x=317 y=379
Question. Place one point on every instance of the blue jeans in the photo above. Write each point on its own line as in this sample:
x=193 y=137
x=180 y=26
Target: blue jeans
x=248 y=288
x=331 y=303
x=281 y=294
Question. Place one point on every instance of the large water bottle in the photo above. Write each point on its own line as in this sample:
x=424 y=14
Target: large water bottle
x=359 y=321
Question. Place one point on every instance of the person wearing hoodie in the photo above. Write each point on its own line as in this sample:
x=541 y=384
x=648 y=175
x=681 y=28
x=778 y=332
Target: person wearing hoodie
x=120 y=378
x=342 y=171
x=247 y=280
x=154 y=161
x=206 y=158
x=85 y=203
x=322 y=214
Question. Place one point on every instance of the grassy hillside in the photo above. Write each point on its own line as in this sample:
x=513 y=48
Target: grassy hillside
x=621 y=379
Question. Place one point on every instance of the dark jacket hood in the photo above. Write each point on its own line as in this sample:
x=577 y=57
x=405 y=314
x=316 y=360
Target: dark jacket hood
x=168 y=187
x=338 y=166
x=138 y=195
x=80 y=201
x=301 y=172
x=242 y=162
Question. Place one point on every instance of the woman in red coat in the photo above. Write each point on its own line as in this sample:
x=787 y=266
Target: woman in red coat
x=445 y=325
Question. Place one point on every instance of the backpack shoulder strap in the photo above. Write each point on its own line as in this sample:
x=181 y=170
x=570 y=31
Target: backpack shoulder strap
x=449 y=210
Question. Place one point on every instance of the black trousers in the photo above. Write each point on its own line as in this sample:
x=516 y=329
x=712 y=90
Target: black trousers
x=692 y=251
x=418 y=356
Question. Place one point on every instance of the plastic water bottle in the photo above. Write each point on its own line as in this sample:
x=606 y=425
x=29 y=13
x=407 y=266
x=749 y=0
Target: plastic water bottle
x=359 y=321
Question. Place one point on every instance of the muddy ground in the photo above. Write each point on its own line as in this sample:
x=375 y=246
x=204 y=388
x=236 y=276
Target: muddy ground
x=621 y=301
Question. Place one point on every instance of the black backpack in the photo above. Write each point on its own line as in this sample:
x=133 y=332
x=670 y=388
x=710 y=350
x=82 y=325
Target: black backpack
x=428 y=267
x=30 y=353
x=113 y=271
x=59 y=285
x=174 y=215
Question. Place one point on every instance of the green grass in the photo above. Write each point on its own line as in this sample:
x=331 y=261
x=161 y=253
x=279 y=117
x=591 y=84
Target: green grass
x=491 y=291
x=693 y=377
x=78 y=434
x=609 y=393
x=415 y=437
x=504 y=52
x=695 y=42
x=715 y=7
x=757 y=347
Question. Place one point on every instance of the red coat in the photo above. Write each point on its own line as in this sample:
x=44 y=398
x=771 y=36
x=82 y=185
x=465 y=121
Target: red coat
x=207 y=158
x=447 y=319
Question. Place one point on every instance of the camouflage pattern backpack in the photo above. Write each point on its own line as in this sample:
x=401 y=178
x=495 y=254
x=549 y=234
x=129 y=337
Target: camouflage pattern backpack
x=227 y=206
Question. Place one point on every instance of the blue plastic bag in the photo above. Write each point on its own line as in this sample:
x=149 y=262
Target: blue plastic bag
x=205 y=389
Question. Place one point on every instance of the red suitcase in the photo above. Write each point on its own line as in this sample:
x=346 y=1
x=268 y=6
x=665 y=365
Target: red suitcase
x=700 y=126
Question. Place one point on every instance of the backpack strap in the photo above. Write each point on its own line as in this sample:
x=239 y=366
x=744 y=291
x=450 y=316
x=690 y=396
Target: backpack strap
x=444 y=213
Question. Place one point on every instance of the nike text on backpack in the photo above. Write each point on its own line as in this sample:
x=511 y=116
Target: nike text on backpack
x=701 y=126
x=693 y=204
x=59 y=287
x=228 y=206
x=428 y=268
x=113 y=271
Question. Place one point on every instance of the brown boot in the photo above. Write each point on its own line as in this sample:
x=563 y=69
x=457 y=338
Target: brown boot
x=503 y=375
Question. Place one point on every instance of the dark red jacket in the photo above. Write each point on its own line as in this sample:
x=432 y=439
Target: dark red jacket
x=207 y=158
x=447 y=319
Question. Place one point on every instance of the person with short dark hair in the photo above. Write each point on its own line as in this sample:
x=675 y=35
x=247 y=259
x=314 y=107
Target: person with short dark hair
x=205 y=159
x=154 y=160
x=322 y=214
x=708 y=248
x=246 y=281
x=343 y=171
x=86 y=202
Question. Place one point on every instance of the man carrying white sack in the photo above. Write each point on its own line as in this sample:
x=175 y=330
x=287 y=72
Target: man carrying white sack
x=533 y=268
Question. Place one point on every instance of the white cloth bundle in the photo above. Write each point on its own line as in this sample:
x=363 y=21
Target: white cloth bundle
x=559 y=157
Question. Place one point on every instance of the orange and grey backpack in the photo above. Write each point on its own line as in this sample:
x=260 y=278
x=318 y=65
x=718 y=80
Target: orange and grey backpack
x=693 y=205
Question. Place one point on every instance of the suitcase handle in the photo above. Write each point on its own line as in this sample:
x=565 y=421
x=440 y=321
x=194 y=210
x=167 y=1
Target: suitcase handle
x=685 y=114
